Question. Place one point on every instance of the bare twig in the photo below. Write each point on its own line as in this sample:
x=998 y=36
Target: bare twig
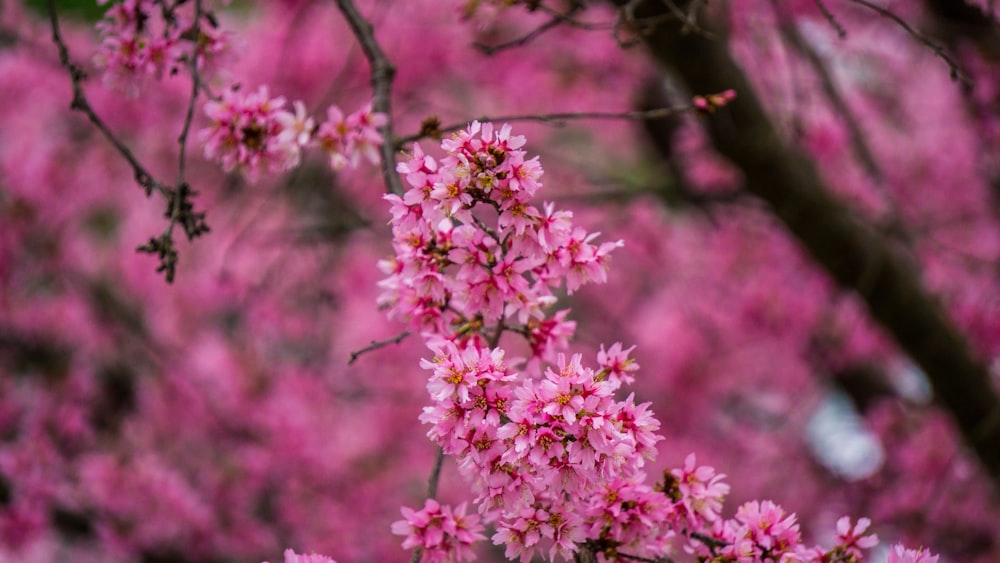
x=80 y=103
x=520 y=41
x=830 y=18
x=382 y=73
x=179 y=208
x=195 y=227
x=376 y=344
x=569 y=20
x=956 y=72
x=556 y=20
x=552 y=118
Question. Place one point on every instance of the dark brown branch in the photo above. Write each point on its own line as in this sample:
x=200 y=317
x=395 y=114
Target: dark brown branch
x=956 y=71
x=376 y=344
x=382 y=73
x=850 y=251
x=432 y=482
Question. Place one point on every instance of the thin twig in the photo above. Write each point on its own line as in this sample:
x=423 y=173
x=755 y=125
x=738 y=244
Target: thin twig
x=831 y=19
x=557 y=20
x=382 y=73
x=552 y=118
x=177 y=203
x=432 y=482
x=376 y=344
x=956 y=72
x=80 y=103
x=520 y=41
x=573 y=22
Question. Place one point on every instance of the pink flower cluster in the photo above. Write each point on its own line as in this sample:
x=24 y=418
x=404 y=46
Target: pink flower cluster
x=142 y=38
x=443 y=534
x=554 y=458
x=347 y=139
x=253 y=131
x=452 y=272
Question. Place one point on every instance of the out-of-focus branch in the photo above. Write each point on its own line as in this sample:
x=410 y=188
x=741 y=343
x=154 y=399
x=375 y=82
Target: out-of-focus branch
x=850 y=251
x=830 y=18
x=382 y=73
x=556 y=20
x=791 y=34
x=959 y=18
x=434 y=130
x=956 y=71
x=193 y=99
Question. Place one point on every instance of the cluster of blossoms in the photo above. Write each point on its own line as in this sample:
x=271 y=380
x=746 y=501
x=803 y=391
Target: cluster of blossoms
x=446 y=534
x=142 y=38
x=554 y=458
x=253 y=131
x=453 y=274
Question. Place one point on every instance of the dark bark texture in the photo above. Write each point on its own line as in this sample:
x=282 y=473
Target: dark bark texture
x=851 y=251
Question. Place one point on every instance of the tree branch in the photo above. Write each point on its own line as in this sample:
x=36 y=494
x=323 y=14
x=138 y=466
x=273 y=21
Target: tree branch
x=382 y=73
x=850 y=251
x=376 y=344
x=179 y=208
x=80 y=103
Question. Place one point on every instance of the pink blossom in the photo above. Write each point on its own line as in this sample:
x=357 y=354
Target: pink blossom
x=292 y=557
x=441 y=533
x=853 y=538
x=246 y=133
x=347 y=139
x=899 y=554
x=701 y=491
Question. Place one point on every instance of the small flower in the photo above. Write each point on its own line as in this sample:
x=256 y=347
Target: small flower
x=853 y=539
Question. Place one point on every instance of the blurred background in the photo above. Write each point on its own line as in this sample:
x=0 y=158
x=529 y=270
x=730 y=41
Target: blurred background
x=217 y=419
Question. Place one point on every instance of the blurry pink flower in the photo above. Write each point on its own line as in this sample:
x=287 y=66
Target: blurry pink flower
x=899 y=554
x=246 y=133
x=292 y=557
x=347 y=139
